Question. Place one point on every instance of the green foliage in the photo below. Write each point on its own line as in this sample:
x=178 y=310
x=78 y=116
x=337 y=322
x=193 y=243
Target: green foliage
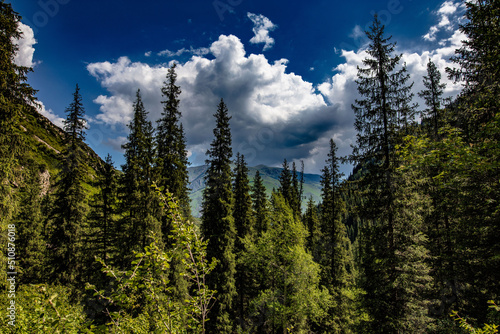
x=172 y=162
x=139 y=203
x=260 y=204
x=487 y=328
x=67 y=217
x=218 y=222
x=142 y=299
x=45 y=309
x=432 y=96
x=288 y=279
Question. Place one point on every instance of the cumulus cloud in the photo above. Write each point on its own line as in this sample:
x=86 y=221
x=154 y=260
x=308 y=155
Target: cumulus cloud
x=274 y=113
x=24 y=55
x=261 y=28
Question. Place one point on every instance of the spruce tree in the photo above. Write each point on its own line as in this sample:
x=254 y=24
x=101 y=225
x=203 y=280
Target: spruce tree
x=289 y=294
x=218 y=224
x=29 y=222
x=244 y=224
x=139 y=203
x=103 y=214
x=171 y=170
x=478 y=63
x=383 y=116
x=69 y=210
x=432 y=96
x=260 y=204
x=336 y=257
x=312 y=223
x=14 y=95
x=171 y=149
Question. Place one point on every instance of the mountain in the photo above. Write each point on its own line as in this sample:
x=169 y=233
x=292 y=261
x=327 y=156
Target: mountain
x=270 y=177
x=43 y=143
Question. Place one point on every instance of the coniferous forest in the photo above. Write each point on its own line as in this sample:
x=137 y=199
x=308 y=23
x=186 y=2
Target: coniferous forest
x=409 y=242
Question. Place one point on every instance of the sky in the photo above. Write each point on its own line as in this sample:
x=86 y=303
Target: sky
x=285 y=69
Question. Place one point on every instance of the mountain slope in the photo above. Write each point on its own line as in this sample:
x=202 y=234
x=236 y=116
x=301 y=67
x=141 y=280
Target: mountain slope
x=43 y=143
x=270 y=177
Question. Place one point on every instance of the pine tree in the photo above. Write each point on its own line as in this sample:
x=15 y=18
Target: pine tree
x=29 y=222
x=172 y=159
x=171 y=170
x=312 y=223
x=433 y=97
x=218 y=224
x=104 y=211
x=15 y=93
x=382 y=118
x=478 y=63
x=289 y=295
x=290 y=187
x=244 y=223
x=336 y=258
x=259 y=205
x=139 y=203
x=69 y=207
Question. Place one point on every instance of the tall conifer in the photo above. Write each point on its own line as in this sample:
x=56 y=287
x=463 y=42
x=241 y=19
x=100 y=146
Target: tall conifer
x=139 y=203
x=218 y=224
x=432 y=96
x=69 y=207
x=172 y=159
x=259 y=204
x=383 y=116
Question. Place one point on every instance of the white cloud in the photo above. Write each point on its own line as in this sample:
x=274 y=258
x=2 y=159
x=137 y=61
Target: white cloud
x=449 y=14
x=24 y=56
x=275 y=114
x=261 y=28
x=264 y=100
x=191 y=50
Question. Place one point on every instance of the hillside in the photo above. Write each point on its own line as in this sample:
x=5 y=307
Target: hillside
x=270 y=177
x=43 y=143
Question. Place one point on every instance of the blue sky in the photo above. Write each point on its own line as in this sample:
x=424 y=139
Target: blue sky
x=286 y=69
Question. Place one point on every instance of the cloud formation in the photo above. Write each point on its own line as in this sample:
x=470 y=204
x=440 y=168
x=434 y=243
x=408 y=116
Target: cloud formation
x=275 y=114
x=24 y=55
x=261 y=28
x=448 y=13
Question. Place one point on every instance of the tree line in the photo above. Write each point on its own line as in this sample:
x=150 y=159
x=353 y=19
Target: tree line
x=410 y=237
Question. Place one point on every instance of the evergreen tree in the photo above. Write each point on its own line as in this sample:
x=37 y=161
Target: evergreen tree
x=15 y=93
x=171 y=170
x=289 y=295
x=259 y=205
x=433 y=97
x=172 y=159
x=104 y=211
x=478 y=65
x=244 y=223
x=382 y=118
x=218 y=224
x=290 y=187
x=312 y=223
x=69 y=210
x=139 y=203
x=336 y=258
x=29 y=222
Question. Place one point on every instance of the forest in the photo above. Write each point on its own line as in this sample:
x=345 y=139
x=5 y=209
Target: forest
x=407 y=243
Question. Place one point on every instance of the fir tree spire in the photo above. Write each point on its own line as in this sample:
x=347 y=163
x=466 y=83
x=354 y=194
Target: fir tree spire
x=218 y=224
